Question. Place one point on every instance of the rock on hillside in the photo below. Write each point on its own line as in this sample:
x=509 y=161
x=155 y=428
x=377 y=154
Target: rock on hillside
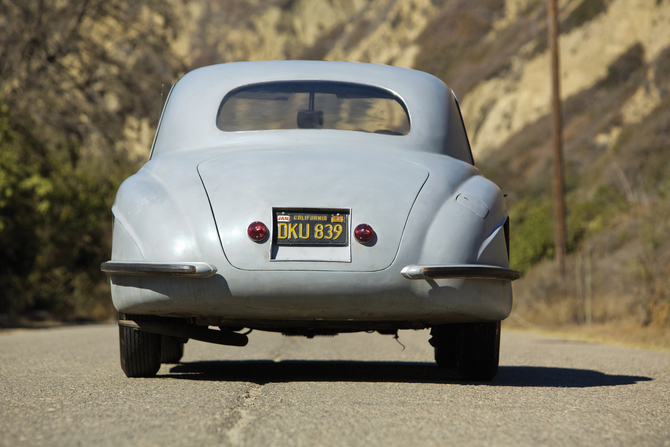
x=498 y=101
x=378 y=31
x=502 y=106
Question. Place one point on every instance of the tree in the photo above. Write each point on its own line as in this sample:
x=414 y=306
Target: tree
x=77 y=75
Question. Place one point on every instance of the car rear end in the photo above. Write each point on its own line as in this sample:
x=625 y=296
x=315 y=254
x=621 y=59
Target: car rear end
x=309 y=207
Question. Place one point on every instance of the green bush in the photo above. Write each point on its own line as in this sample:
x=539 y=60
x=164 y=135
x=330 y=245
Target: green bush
x=532 y=227
x=531 y=233
x=55 y=228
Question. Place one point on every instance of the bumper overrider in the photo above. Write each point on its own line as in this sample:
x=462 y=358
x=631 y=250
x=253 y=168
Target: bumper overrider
x=465 y=271
x=135 y=268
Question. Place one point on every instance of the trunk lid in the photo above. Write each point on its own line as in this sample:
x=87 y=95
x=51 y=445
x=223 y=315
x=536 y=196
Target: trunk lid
x=373 y=188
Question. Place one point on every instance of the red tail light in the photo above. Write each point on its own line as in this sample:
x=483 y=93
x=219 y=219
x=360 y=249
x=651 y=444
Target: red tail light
x=364 y=233
x=257 y=231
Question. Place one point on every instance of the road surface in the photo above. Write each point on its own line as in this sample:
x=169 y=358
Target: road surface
x=64 y=387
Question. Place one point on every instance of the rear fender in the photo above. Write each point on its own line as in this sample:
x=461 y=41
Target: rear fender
x=150 y=222
x=469 y=227
x=124 y=247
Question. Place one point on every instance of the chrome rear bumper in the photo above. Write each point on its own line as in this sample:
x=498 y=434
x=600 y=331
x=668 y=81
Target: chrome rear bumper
x=459 y=271
x=134 y=268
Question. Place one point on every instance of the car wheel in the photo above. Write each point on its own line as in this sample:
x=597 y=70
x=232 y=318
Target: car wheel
x=447 y=343
x=471 y=348
x=172 y=349
x=140 y=351
x=480 y=351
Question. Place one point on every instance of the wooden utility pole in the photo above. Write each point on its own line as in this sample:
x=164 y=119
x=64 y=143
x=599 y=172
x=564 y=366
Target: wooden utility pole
x=558 y=182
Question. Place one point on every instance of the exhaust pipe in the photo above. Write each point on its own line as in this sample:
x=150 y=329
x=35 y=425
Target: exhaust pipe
x=187 y=331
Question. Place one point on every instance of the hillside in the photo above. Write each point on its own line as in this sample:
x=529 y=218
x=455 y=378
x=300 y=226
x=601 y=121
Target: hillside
x=615 y=73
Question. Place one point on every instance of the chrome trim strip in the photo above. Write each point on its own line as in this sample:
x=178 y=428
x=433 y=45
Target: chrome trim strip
x=144 y=268
x=475 y=271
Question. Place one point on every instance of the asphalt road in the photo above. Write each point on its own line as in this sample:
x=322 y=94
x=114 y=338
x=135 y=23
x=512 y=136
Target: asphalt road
x=65 y=387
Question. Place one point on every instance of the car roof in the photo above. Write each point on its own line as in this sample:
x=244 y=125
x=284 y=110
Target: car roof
x=189 y=117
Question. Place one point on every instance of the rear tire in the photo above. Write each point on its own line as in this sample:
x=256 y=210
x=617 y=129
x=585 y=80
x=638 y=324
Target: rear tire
x=447 y=343
x=172 y=349
x=471 y=348
x=480 y=352
x=140 y=351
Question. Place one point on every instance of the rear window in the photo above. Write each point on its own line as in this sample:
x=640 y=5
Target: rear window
x=313 y=105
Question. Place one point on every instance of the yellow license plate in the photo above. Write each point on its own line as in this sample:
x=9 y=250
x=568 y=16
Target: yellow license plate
x=307 y=227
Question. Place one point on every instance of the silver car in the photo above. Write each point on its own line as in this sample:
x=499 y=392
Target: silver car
x=310 y=198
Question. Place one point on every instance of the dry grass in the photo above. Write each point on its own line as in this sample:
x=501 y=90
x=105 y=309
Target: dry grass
x=618 y=333
x=616 y=287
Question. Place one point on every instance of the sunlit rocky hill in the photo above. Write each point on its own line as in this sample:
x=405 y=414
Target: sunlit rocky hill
x=80 y=89
x=492 y=53
x=615 y=73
